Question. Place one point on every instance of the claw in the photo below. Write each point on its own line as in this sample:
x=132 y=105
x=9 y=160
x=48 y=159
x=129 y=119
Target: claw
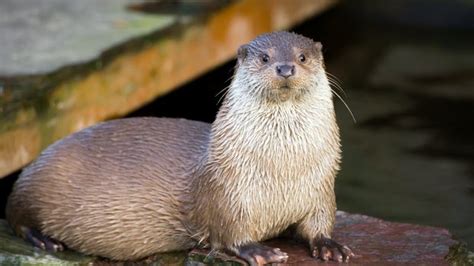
x=328 y=249
x=41 y=241
x=256 y=254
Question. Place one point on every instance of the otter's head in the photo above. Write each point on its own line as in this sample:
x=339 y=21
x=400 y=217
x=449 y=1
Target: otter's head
x=279 y=66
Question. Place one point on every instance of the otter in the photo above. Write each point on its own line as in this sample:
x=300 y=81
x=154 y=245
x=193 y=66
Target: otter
x=129 y=188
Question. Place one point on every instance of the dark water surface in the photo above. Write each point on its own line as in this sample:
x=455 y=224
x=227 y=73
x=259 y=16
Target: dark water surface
x=410 y=156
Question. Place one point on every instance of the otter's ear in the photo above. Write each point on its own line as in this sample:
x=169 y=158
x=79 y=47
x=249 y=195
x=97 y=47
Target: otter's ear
x=242 y=53
x=318 y=46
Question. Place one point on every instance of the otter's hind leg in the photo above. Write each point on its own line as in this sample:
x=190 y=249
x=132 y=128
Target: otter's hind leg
x=37 y=239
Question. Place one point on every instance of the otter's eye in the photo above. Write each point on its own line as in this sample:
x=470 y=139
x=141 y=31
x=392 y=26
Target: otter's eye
x=265 y=58
x=302 y=58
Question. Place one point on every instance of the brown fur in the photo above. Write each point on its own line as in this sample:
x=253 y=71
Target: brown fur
x=115 y=189
x=130 y=188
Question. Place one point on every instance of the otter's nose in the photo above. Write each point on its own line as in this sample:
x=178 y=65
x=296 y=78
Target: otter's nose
x=285 y=71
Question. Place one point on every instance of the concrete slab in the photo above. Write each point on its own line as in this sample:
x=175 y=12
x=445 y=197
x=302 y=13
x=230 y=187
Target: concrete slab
x=37 y=37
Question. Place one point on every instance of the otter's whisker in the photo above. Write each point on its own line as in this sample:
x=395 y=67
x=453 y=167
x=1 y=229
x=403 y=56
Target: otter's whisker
x=334 y=77
x=345 y=104
x=337 y=84
x=336 y=81
x=223 y=93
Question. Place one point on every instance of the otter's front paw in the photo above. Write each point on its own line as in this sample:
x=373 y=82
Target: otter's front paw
x=256 y=254
x=328 y=249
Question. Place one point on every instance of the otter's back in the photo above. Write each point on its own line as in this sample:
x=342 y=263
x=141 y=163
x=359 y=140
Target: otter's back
x=122 y=179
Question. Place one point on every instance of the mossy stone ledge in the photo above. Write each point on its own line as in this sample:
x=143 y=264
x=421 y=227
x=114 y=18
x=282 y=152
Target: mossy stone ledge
x=375 y=242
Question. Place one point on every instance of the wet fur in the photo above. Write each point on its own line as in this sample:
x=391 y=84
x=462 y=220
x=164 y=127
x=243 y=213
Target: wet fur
x=270 y=164
x=133 y=187
x=116 y=189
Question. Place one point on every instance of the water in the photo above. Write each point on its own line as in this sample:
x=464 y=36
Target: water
x=410 y=156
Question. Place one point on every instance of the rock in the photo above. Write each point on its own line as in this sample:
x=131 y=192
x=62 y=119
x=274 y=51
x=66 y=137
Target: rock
x=377 y=241
x=373 y=240
x=15 y=251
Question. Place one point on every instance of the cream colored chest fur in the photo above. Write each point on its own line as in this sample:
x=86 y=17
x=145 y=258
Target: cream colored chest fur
x=278 y=163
